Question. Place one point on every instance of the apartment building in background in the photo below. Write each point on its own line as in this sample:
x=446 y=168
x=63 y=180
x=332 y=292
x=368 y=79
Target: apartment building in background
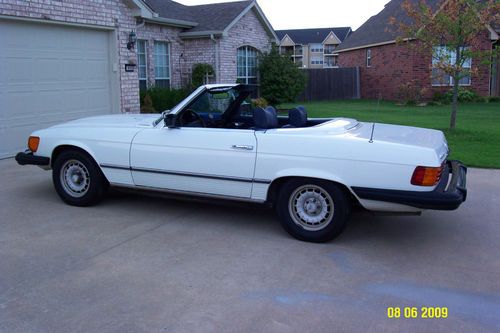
x=312 y=48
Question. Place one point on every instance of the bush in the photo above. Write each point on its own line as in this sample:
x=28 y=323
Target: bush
x=281 y=80
x=494 y=99
x=161 y=99
x=147 y=105
x=464 y=95
x=199 y=73
x=411 y=93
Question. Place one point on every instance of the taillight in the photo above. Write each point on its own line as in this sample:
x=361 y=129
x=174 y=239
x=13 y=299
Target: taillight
x=33 y=143
x=426 y=176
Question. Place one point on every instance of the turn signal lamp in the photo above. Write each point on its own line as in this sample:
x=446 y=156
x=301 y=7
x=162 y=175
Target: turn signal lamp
x=426 y=176
x=33 y=143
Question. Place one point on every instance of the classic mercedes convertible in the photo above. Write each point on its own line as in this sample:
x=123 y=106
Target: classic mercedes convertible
x=215 y=144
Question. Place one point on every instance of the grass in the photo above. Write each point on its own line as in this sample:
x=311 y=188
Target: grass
x=475 y=141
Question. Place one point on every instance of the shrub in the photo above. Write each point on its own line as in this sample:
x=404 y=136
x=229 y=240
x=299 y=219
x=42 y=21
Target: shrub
x=281 y=80
x=464 y=95
x=147 y=105
x=494 y=99
x=199 y=73
x=411 y=93
x=162 y=98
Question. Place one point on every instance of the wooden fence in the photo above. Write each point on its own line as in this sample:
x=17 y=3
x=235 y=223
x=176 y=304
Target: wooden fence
x=331 y=83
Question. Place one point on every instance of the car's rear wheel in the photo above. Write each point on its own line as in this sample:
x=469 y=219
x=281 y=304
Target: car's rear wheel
x=77 y=179
x=313 y=210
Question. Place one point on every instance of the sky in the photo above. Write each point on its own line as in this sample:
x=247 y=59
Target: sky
x=293 y=14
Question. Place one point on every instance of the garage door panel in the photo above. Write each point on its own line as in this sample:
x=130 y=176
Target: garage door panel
x=19 y=70
x=50 y=74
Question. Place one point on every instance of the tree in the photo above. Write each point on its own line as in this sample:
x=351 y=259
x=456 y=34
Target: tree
x=281 y=80
x=200 y=74
x=449 y=31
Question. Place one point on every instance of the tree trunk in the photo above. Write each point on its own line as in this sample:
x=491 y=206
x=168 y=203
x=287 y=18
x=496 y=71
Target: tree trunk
x=456 y=81
x=454 y=105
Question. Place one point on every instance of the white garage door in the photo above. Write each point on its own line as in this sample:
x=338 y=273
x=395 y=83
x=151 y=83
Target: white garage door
x=50 y=74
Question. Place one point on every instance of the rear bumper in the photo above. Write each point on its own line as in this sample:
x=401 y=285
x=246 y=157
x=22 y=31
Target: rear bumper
x=27 y=158
x=448 y=195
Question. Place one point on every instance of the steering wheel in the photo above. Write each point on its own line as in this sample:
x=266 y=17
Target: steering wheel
x=190 y=118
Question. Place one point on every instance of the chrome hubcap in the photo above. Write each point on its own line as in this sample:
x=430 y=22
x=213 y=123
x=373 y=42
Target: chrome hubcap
x=311 y=207
x=75 y=178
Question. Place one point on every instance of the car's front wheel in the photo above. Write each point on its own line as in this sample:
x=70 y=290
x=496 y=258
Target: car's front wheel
x=313 y=210
x=78 y=179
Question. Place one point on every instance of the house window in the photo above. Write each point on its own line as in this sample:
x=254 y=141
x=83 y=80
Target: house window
x=162 y=64
x=316 y=60
x=247 y=65
x=317 y=48
x=142 y=64
x=443 y=55
x=369 y=58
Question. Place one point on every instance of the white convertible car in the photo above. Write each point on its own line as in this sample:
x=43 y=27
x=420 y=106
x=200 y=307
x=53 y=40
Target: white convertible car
x=213 y=144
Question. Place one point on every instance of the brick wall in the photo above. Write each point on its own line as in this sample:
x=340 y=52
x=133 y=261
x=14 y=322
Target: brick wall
x=197 y=51
x=109 y=13
x=395 y=65
x=248 y=31
x=152 y=33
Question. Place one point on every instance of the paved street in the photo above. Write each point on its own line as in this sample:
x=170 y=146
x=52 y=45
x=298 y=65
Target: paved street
x=145 y=264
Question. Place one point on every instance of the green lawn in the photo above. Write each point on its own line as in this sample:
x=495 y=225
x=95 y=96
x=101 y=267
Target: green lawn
x=476 y=140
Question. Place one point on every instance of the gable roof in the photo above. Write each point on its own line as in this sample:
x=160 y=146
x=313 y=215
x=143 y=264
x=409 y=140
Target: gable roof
x=215 y=18
x=377 y=29
x=307 y=36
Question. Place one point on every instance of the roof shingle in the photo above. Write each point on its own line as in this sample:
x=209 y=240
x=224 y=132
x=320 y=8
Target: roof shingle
x=378 y=29
x=210 y=17
x=307 y=36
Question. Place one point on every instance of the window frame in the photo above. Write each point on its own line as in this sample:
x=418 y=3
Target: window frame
x=317 y=48
x=451 y=55
x=145 y=66
x=167 y=55
x=368 y=58
x=245 y=79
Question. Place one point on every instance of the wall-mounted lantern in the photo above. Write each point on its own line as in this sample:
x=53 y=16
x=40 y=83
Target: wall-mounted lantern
x=132 y=39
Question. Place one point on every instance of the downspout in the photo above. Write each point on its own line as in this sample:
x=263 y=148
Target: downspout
x=216 y=54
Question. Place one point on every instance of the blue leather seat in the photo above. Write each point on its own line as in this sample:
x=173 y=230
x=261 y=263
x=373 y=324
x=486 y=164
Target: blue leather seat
x=297 y=117
x=265 y=118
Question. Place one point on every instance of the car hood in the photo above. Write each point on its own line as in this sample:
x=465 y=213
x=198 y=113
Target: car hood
x=114 y=121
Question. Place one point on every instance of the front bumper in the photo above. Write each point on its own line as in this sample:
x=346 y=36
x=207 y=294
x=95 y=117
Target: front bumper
x=448 y=195
x=27 y=158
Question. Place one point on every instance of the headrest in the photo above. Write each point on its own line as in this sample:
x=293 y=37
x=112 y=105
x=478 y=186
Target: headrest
x=297 y=117
x=265 y=118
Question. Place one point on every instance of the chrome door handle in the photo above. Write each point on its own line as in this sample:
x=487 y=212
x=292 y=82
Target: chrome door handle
x=242 y=147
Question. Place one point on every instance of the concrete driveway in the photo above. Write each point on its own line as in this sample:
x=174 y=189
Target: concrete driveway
x=142 y=264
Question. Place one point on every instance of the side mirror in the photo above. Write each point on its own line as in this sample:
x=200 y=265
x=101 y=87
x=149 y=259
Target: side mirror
x=170 y=120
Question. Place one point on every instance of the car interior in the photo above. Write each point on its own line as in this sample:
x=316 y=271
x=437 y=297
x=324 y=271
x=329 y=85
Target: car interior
x=231 y=107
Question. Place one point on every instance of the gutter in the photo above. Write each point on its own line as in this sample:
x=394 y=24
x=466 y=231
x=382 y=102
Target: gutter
x=198 y=34
x=171 y=22
x=371 y=45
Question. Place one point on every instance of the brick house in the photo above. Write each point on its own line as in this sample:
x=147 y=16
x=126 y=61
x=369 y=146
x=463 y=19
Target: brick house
x=385 y=66
x=62 y=60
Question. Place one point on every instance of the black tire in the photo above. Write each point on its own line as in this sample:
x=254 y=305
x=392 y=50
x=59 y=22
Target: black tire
x=78 y=179
x=313 y=210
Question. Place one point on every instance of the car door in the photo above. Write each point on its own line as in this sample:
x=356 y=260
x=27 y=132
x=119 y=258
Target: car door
x=214 y=161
